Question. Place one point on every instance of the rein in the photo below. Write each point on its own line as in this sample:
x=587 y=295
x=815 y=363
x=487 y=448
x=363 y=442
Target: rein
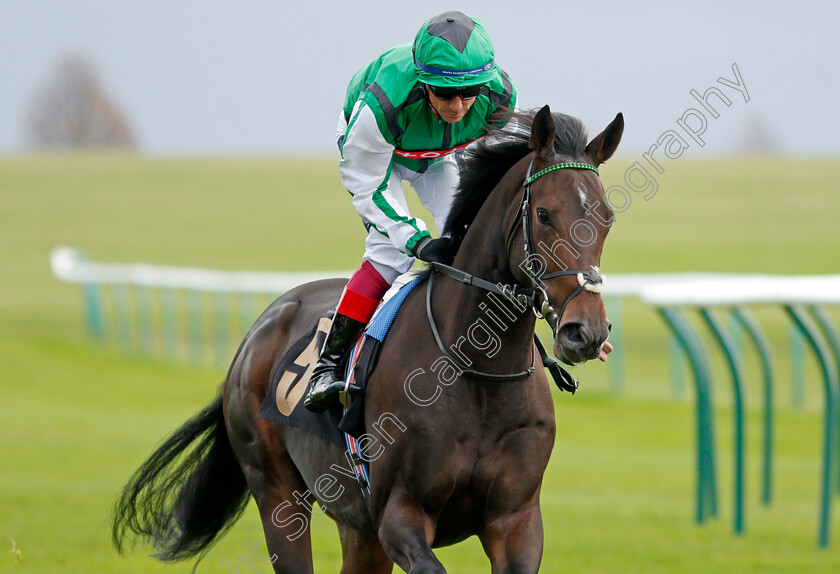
x=464 y=368
x=589 y=280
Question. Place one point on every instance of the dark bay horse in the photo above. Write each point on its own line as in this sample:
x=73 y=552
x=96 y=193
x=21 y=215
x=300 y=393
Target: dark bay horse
x=459 y=413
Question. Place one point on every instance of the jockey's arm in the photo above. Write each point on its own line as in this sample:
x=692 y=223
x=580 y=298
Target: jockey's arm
x=365 y=168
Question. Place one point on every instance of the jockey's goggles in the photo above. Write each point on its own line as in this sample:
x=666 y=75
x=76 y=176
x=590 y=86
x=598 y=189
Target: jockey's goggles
x=447 y=93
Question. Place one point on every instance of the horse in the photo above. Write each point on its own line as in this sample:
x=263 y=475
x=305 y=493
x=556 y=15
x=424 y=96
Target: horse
x=458 y=412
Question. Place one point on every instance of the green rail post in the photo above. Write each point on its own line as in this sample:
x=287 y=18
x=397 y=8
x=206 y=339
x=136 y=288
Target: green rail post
x=616 y=362
x=94 y=315
x=94 y=309
x=736 y=334
x=833 y=338
x=731 y=350
x=195 y=325
x=797 y=367
x=762 y=347
x=706 y=499
x=221 y=327
x=247 y=312
x=829 y=371
x=123 y=314
x=145 y=320
x=169 y=321
x=677 y=360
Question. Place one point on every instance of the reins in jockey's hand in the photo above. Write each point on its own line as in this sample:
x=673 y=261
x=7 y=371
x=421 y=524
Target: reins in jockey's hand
x=430 y=250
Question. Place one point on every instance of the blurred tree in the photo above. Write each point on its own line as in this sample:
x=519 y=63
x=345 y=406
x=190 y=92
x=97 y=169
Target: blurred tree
x=758 y=137
x=73 y=110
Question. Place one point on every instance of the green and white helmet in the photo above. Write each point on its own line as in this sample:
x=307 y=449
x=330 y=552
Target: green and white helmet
x=454 y=50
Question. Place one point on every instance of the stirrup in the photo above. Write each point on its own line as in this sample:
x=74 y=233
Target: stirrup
x=330 y=396
x=345 y=396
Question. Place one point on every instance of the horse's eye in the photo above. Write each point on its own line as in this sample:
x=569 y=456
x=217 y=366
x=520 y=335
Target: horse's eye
x=543 y=215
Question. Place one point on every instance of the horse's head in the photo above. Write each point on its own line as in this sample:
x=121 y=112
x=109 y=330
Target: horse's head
x=565 y=218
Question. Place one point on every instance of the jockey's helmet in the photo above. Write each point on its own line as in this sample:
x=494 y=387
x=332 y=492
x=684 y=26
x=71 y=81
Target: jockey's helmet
x=453 y=50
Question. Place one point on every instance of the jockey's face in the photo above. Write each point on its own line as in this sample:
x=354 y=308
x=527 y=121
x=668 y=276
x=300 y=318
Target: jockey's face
x=451 y=110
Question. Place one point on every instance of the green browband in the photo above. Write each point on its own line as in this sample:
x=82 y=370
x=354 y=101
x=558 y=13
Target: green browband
x=557 y=166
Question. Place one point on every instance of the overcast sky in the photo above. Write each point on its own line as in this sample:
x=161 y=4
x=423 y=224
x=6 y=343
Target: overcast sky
x=268 y=77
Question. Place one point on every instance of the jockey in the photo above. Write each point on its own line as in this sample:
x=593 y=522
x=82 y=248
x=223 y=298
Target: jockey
x=404 y=116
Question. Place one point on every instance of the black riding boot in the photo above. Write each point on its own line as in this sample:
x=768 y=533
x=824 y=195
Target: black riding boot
x=327 y=382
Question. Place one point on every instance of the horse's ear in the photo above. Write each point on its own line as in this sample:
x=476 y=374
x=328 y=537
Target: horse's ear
x=542 y=134
x=605 y=143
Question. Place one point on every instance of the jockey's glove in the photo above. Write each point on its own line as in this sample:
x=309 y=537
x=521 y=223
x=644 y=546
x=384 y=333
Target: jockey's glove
x=430 y=250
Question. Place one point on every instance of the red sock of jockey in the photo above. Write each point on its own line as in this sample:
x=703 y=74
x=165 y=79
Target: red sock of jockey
x=363 y=293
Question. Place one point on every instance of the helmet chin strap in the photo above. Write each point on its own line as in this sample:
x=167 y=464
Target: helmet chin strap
x=431 y=105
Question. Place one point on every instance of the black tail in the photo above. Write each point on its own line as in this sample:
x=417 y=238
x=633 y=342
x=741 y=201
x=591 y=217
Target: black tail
x=183 y=499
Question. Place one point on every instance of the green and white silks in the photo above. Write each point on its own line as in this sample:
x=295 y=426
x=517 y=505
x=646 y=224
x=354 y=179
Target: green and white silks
x=388 y=132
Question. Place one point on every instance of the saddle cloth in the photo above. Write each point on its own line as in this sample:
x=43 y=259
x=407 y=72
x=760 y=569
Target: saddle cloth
x=290 y=380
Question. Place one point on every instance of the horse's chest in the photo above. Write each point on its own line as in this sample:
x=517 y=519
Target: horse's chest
x=499 y=449
x=520 y=452
x=489 y=476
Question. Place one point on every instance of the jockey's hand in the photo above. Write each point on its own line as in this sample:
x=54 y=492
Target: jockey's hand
x=605 y=349
x=435 y=250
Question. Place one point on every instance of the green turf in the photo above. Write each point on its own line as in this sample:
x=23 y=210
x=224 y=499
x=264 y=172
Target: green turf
x=77 y=417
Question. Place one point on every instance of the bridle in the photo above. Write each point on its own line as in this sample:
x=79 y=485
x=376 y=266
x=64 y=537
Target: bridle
x=588 y=279
x=522 y=298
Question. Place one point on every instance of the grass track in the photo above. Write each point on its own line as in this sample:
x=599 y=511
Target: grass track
x=77 y=418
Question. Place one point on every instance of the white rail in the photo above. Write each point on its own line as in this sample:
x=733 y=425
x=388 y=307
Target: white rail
x=745 y=290
x=72 y=265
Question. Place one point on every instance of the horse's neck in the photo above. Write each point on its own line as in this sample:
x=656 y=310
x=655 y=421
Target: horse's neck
x=494 y=334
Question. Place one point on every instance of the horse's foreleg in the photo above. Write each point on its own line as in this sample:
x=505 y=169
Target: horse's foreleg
x=362 y=553
x=406 y=533
x=514 y=543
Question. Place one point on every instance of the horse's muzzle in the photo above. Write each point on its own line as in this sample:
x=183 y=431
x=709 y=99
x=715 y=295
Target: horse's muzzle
x=576 y=342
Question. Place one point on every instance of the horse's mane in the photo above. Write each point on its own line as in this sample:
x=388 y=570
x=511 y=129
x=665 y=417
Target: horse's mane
x=484 y=164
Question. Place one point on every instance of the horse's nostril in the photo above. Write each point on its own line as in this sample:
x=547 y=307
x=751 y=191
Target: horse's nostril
x=572 y=335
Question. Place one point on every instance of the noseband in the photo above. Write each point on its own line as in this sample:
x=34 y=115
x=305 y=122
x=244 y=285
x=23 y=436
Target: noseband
x=589 y=280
